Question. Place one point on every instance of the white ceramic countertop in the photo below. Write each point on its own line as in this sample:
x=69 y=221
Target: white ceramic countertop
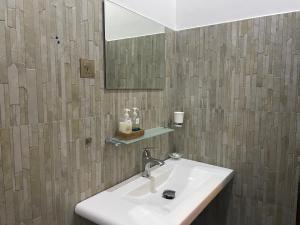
x=139 y=201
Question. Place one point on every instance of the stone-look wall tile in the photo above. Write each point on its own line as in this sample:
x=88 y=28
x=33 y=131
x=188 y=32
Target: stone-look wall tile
x=13 y=84
x=47 y=111
x=2 y=193
x=29 y=35
x=2 y=10
x=243 y=115
x=3 y=59
x=11 y=18
x=2 y=106
x=16 y=145
x=10 y=207
x=32 y=96
x=6 y=154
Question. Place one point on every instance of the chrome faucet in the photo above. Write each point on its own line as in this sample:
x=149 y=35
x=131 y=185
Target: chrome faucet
x=148 y=162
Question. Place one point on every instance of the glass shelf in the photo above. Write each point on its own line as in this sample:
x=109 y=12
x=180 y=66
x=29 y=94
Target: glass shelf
x=150 y=133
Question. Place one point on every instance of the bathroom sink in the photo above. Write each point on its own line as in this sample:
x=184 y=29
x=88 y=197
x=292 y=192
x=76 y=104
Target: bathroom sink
x=139 y=200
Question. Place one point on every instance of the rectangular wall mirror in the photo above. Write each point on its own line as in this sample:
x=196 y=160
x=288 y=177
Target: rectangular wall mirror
x=134 y=50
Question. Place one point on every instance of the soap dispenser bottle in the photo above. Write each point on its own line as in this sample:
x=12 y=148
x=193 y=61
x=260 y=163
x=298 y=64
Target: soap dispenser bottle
x=136 y=120
x=125 y=124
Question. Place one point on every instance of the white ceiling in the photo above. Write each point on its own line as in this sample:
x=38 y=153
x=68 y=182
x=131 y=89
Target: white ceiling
x=184 y=14
x=196 y=13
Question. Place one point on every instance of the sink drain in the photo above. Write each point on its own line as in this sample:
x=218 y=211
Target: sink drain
x=169 y=194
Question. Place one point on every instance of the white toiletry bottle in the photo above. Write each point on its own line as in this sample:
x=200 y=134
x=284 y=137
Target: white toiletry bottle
x=125 y=125
x=135 y=120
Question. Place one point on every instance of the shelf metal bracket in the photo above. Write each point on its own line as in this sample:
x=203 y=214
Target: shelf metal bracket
x=112 y=141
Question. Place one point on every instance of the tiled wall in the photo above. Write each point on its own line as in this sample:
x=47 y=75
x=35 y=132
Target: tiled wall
x=136 y=62
x=47 y=111
x=239 y=84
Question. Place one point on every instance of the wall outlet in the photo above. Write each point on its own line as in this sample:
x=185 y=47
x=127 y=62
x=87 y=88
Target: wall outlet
x=87 y=68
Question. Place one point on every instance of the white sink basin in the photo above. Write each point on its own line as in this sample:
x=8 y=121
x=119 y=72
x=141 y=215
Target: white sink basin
x=139 y=201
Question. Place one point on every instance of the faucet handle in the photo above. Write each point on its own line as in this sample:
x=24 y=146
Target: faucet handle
x=149 y=148
x=147 y=152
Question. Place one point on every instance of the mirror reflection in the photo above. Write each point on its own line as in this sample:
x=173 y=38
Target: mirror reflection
x=134 y=50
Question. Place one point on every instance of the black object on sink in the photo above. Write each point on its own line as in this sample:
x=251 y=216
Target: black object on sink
x=169 y=194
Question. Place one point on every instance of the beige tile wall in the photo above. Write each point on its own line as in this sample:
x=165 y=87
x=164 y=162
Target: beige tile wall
x=239 y=85
x=136 y=63
x=47 y=111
